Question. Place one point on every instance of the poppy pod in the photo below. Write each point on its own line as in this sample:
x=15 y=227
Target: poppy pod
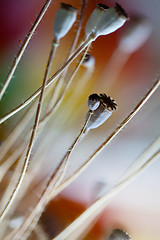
x=104 y=21
x=95 y=18
x=112 y=19
x=64 y=19
x=102 y=107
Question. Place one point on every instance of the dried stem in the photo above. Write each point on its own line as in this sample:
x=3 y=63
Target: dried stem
x=55 y=106
x=142 y=158
x=126 y=120
x=20 y=127
x=41 y=235
x=13 y=183
x=79 y=27
x=109 y=139
x=5 y=166
x=119 y=128
x=23 y=47
x=74 y=230
x=52 y=79
x=48 y=192
x=53 y=182
x=62 y=171
x=73 y=45
x=75 y=102
x=33 y=135
x=30 y=175
x=44 y=120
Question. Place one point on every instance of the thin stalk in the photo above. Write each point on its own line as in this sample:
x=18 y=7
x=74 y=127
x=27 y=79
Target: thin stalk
x=149 y=151
x=11 y=139
x=30 y=175
x=109 y=139
x=17 y=131
x=55 y=106
x=51 y=194
x=13 y=182
x=53 y=182
x=64 y=162
x=18 y=150
x=75 y=102
x=44 y=120
x=74 y=230
x=5 y=166
x=33 y=135
x=23 y=47
x=50 y=81
x=125 y=121
x=60 y=82
x=40 y=233
x=146 y=164
x=19 y=153
x=118 y=129
x=79 y=27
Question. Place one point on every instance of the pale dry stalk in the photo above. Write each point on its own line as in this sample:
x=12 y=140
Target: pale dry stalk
x=23 y=47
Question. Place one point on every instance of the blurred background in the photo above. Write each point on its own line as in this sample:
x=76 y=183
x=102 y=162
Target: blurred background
x=126 y=78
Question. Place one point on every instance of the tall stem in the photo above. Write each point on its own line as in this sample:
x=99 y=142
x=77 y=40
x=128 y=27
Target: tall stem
x=110 y=138
x=62 y=78
x=75 y=229
x=23 y=47
x=55 y=106
x=53 y=182
x=52 y=79
x=33 y=134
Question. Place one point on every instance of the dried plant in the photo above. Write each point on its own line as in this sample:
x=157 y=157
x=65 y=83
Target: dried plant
x=24 y=149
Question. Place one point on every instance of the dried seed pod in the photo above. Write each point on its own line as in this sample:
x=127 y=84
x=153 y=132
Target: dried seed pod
x=94 y=18
x=119 y=234
x=137 y=32
x=99 y=116
x=104 y=21
x=64 y=19
x=102 y=107
x=89 y=61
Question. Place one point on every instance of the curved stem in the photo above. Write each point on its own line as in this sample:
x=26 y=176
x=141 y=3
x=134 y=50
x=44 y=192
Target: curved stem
x=62 y=78
x=50 y=194
x=109 y=139
x=34 y=130
x=44 y=120
x=53 y=182
x=52 y=79
x=23 y=47
x=55 y=106
x=75 y=229
x=17 y=131
x=5 y=166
